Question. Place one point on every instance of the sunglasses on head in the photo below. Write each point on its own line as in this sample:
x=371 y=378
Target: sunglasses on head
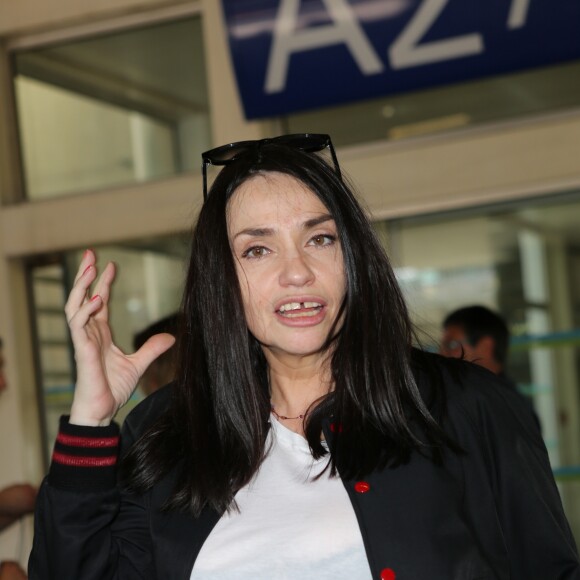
x=226 y=154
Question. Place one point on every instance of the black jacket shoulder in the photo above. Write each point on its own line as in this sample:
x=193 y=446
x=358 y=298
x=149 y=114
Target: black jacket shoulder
x=460 y=391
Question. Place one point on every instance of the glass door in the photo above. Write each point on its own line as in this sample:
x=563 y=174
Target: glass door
x=523 y=261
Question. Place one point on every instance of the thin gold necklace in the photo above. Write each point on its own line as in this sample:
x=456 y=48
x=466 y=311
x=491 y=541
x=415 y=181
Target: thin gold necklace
x=284 y=418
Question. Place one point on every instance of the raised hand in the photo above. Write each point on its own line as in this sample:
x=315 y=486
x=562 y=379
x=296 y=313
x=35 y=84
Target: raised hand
x=106 y=377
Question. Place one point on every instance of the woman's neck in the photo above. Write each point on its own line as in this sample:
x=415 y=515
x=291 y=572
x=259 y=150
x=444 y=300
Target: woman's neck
x=294 y=387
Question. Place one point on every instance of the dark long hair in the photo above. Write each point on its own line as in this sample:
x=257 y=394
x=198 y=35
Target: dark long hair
x=215 y=430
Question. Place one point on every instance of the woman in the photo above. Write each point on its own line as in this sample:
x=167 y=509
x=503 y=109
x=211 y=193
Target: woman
x=304 y=437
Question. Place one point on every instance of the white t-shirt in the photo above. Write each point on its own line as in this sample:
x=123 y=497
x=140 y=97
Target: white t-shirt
x=289 y=527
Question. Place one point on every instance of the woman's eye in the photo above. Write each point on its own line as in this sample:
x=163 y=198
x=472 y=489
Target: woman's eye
x=255 y=252
x=323 y=240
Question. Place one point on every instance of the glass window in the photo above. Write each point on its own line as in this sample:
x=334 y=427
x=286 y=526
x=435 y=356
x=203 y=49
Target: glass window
x=114 y=110
x=521 y=260
x=446 y=108
x=148 y=287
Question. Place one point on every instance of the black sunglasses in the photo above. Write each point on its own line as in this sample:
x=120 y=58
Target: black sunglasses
x=308 y=142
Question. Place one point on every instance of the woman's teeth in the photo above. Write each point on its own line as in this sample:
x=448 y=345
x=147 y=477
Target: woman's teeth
x=298 y=309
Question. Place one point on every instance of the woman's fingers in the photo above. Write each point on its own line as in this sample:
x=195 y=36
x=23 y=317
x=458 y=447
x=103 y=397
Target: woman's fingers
x=82 y=315
x=103 y=285
x=152 y=348
x=86 y=275
x=78 y=294
x=88 y=259
x=85 y=304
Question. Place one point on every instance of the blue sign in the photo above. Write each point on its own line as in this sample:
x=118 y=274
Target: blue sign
x=293 y=55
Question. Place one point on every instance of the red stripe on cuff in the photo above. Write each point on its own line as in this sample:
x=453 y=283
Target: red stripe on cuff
x=93 y=442
x=80 y=461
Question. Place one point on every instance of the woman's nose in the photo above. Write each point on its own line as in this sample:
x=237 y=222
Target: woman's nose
x=296 y=271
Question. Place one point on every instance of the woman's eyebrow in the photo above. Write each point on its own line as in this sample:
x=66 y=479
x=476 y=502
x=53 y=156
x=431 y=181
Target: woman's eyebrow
x=312 y=223
x=265 y=232
x=255 y=232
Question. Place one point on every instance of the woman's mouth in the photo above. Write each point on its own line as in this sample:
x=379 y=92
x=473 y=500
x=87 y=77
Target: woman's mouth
x=300 y=309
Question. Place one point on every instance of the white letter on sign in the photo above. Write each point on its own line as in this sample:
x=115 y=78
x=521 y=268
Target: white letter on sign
x=518 y=13
x=406 y=51
x=345 y=29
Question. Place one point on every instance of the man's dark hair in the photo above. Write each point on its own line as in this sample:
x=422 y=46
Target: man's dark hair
x=170 y=324
x=479 y=321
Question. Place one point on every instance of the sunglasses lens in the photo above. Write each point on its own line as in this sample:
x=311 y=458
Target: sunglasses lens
x=226 y=153
x=309 y=142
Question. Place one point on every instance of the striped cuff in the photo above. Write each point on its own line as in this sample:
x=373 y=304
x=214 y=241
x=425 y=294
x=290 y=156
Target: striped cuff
x=84 y=456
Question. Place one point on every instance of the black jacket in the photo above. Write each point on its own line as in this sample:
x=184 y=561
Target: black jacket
x=493 y=512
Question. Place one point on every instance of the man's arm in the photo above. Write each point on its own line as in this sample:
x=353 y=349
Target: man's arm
x=12 y=571
x=16 y=501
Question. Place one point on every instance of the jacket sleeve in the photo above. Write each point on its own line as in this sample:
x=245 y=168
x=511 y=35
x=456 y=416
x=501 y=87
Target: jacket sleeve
x=506 y=454
x=86 y=528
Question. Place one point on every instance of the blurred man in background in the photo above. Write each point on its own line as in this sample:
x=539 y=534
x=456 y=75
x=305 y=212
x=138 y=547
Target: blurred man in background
x=479 y=335
x=476 y=334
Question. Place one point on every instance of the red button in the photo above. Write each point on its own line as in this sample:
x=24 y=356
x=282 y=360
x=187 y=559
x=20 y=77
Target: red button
x=362 y=487
x=387 y=574
x=334 y=427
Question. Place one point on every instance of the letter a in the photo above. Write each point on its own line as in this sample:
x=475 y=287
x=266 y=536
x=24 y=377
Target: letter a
x=344 y=29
